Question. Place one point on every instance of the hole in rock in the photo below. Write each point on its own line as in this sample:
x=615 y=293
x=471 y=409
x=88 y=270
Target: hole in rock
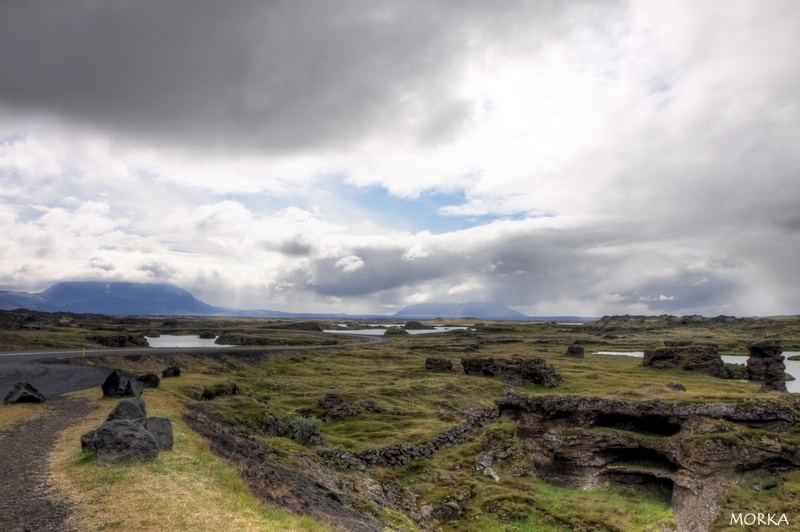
x=658 y=425
x=639 y=457
x=643 y=485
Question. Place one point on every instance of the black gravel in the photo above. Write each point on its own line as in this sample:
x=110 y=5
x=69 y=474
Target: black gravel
x=27 y=500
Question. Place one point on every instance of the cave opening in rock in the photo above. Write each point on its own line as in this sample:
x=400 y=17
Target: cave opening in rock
x=657 y=425
x=642 y=485
x=638 y=457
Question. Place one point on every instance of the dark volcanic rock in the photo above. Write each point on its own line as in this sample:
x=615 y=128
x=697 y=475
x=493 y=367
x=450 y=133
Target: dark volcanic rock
x=370 y=406
x=119 y=340
x=172 y=371
x=23 y=392
x=149 y=380
x=161 y=429
x=516 y=370
x=438 y=364
x=329 y=400
x=704 y=358
x=133 y=409
x=121 y=384
x=766 y=364
x=121 y=440
x=575 y=350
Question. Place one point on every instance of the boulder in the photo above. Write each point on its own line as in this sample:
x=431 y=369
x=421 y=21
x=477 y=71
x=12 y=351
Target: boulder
x=172 y=371
x=516 y=371
x=23 y=392
x=121 y=384
x=701 y=357
x=121 y=440
x=438 y=364
x=161 y=429
x=575 y=350
x=149 y=380
x=132 y=409
x=766 y=364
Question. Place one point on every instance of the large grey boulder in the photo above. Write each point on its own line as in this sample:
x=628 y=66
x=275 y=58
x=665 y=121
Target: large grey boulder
x=121 y=384
x=23 y=392
x=161 y=428
x=133 y=409
x=121 y=440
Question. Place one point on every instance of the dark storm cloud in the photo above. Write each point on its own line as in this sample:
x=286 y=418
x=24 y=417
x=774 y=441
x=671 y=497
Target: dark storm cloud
x=271 y=75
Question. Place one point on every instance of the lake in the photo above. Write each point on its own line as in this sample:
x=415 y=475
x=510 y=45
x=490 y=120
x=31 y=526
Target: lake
x=792 y=366
x=377 y=331
x=182 y=341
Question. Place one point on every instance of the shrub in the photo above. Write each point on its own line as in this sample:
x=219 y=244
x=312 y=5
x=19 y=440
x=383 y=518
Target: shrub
x=303 y=429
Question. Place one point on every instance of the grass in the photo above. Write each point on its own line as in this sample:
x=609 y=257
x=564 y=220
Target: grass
x=13 y=414
x=187 y=488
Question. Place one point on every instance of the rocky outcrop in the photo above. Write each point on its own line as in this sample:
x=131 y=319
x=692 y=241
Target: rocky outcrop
x=128 y=435
x=681 y=450
x=23 y=392
x=766 y=364
x=516 y=371
x=575 y=350
x=701 y=357
x=299 y=484
x=121 y=384
x=118 y=340
x=438 y=364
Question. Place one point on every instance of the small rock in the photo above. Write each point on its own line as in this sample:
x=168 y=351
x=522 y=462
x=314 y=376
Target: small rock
x=149 y=380
x=172 y=371
x=329 y=400
x=23 y=392
x=678 y=387
x=370 y=406
x=438 y=364
x=483 y=463
x=121 y=384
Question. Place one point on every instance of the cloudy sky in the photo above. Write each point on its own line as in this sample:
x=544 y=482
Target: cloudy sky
x=558 y=157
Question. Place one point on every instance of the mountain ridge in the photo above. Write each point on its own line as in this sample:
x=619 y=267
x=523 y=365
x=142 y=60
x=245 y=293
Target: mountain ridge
x=129 y=298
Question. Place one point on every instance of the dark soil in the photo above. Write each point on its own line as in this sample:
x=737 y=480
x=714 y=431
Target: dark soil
x=27 y=500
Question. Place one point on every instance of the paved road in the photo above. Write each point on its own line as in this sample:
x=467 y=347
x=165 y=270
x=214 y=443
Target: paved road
x=41 y=369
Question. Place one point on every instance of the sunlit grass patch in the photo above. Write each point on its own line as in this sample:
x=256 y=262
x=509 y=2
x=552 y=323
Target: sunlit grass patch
x=13 y=414
x=187 y=488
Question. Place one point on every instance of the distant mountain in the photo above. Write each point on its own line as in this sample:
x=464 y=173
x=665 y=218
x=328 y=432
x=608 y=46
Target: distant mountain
x=484 y=311
x=97 y=297
x=111 y=298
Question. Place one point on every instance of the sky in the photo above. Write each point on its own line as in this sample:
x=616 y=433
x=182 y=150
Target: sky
x=557 y=157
